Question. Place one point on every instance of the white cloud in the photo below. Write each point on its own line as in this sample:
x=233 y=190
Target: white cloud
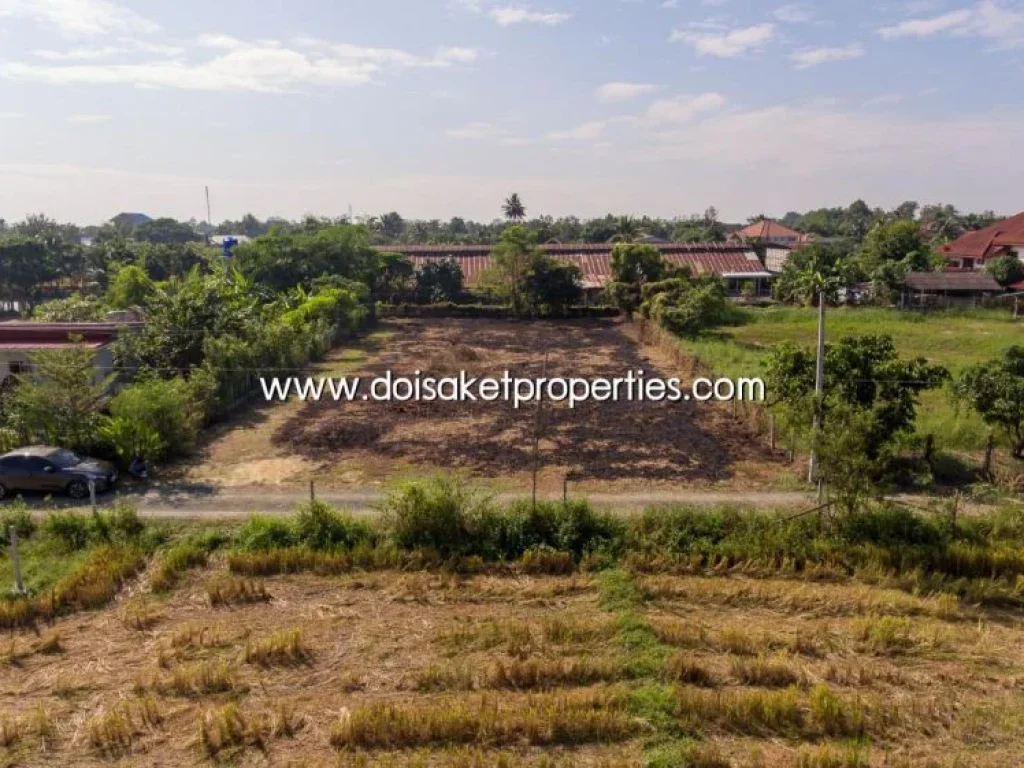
x=473 y=131
x=715 y=40
x=793 y=14
x=683 y=109
x=583 y=132
x=815 y=56
x=88 y=119
x=926 y=27
x=267 y=66
x=109 y=51
x=997 y=22
x=76 y=18
x=508 y=15
x=623 y=91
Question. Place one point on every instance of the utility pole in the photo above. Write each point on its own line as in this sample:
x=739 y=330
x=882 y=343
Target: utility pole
x=209 y=217
x=819 y=391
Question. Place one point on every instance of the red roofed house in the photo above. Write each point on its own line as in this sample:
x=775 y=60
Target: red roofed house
x=771 y=232
x=973 y=249
x=735 y=263
x=19 y=340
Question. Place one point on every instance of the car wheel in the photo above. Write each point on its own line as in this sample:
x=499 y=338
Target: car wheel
x=78 y=489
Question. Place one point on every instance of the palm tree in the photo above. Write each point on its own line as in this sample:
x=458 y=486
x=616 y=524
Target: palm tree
x=514 y=209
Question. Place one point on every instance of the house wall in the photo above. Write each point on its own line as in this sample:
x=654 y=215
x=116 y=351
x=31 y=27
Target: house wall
x=103 y=361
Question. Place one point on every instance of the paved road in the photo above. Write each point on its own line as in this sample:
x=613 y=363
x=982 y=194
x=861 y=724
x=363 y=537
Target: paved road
x=205 y=501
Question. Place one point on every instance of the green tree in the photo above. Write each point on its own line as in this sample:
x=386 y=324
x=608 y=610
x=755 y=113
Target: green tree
x=74 y=309
x=60 y=401
x=550 y=287
x=131 y=287
x=685 y=306
x=165 y=408
x=633 y=266
x=166 y=232
x=861 y=372
x=996 y=391
x=439 y=281
x=811 y=270
x=627 y=230
x=514 y=209
x=1007 y=270
x=513 y=256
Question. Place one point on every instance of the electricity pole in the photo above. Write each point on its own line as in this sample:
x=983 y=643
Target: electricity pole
x=819 y=390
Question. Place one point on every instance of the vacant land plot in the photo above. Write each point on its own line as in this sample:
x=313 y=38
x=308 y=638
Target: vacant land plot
x=432 y=668
x=598 y=446
x=952 y=339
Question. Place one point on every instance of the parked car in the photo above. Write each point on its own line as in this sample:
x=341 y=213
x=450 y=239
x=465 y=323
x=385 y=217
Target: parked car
x=48 y=469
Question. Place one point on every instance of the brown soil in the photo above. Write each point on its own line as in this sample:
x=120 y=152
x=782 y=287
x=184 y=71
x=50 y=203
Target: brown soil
x=603 y=446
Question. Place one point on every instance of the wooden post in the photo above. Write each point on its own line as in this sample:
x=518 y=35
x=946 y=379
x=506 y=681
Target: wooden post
x=772 y=430
x=19 y=587
x=92 y=495
x=565 y=491
x=929 y=449
x=312 y=492
x=536 y=434
x=956 y=504
x=990 y=445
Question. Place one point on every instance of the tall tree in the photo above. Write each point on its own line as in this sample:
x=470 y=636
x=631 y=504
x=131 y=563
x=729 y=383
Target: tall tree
x=513 y=255
x=514 y=209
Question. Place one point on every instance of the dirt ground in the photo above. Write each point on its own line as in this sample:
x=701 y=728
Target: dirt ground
x=598 y=447
x=937 y=684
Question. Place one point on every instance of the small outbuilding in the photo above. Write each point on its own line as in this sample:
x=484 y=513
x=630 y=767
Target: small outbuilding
x=922 y=290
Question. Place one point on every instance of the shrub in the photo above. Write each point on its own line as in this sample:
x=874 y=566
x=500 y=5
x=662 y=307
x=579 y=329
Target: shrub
x=439 y=514
x=17 y=516
x=319 y=526
x=174 y=562
x=888 y=526
x=164 y=406
x=71 y=530
x=75 y=532
x=261 y=533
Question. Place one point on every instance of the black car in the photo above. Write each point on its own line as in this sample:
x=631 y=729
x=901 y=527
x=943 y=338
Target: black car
x=47 y=469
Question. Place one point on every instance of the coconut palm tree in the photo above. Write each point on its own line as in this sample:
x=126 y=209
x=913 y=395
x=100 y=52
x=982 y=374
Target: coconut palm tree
x=514 y=209
x=627 y=230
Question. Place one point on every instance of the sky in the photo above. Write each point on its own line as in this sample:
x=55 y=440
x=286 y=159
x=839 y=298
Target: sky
x=441 y=108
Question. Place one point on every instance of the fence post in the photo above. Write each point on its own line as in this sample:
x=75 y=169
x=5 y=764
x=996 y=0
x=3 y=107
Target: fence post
x=990 y=445
x=772 y=428
x=19 y=588
x=312 y=491
x=92 y=495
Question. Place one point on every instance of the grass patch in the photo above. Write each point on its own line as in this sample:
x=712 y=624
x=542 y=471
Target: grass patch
x=114 y=732
x=226 y=590
x=285 y=648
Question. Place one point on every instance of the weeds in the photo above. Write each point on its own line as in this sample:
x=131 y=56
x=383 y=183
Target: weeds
x=174 y=562
x=198 y=679
x=683 y=668
x=764 y=672
x=114 y=732
x=229 y=590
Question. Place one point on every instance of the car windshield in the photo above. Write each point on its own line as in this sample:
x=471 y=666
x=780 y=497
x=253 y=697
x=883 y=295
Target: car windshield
x=65 y=459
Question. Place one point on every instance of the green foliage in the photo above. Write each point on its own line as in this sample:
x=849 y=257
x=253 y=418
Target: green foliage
x=864 y=373
x=513 y=208
x=130 y=438
x=75 y=532
x=60 y=402
x=550 y=287
x=320 y=527
x=16 y=515
x=633 y=266
x=130 y=287
x=165 y=231
x=261 y=533
x=439 y=281
x=1007 y=270
x=812 y=269
x=891 y=250
x=74 y=309
x=996 y=391
x=163 y=408
x=281 y=260
x=686 y=307
x=513 y=256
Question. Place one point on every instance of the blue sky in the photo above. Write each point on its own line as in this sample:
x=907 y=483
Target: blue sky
x=438 y=108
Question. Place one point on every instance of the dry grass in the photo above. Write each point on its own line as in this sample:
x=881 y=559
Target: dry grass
x=286 y=647
x=114 y=732
x=198 y=679
x=137 y=613
x=229 y=590
x=684 y=668
x=547 y=719
x=35 y=728
x=767 y=673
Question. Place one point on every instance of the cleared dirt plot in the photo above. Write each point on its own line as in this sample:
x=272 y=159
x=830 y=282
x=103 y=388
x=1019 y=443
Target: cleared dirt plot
x=506 y=668
x=597 y=445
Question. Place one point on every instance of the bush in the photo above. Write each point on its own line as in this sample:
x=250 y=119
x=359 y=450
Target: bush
x=76 y=532
x=319 y=526
x=438 y=514
x=71 y=530
x=886 y=526
x=261 y=533
x=166 y=408
x=18 y=517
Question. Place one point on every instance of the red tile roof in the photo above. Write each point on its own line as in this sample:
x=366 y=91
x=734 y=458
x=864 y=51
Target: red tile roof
x=18 y=334
x=594 y=261
x=766 y=229
x=990 y=241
